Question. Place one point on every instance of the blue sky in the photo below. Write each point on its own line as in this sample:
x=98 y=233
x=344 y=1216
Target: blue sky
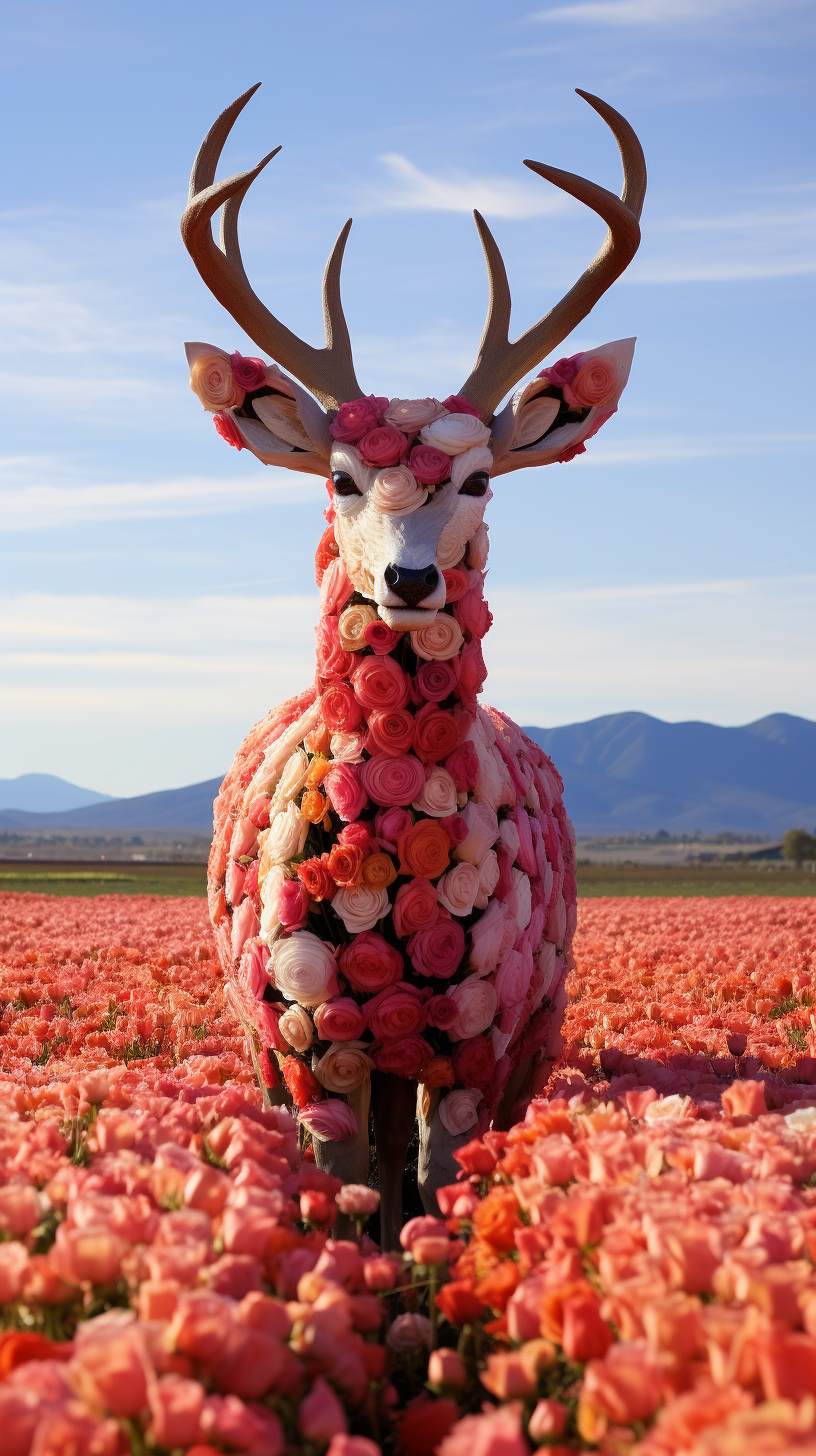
x=157 y=589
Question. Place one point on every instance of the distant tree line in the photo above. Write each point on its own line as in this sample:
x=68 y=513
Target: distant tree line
x=798 y=845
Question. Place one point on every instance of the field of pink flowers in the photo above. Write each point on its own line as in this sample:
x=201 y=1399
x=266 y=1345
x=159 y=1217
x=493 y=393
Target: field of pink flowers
x=629 y=1269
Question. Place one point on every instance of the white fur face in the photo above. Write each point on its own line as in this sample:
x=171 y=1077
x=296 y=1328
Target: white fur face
x=397 y=536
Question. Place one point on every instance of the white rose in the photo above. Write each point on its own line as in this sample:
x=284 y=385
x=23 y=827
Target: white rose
x=483 y=831
x=411 y=414
x=293 y=777
x=455 y=433
x=458 y=888
x=344 y=1067
x=303 y=969
x=488 y=787
x=270 y=899
x=360 y=907
x=475 y=1001
x=296 y=1025
x=486 y=938
x=458 y=1111
x=478 y=547
x=547 y=967
x=286 y=838
x=277 y=753
x=438 y=798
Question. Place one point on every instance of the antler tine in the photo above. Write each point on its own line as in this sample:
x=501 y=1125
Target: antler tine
x=327 y=372
x=500 y=364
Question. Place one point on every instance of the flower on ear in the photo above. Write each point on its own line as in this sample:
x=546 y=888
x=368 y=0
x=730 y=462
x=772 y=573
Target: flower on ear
x=228 y=430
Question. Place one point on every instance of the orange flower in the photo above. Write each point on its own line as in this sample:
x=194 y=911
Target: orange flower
x=318 y=768
x=424 y=850
x=318 y=740
x=345 y=863
x=458 y=1302
x=438 y=1072
x=496 y=1288
x=497 y=1218
x=378 y=871
x=313 y=806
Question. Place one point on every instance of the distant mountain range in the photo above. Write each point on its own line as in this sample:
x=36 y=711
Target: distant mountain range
x=623 y=773
x=46 y=794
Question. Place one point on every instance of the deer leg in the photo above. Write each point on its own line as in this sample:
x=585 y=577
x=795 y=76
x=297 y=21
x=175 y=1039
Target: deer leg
x=394 y=1107
x=349 y=1159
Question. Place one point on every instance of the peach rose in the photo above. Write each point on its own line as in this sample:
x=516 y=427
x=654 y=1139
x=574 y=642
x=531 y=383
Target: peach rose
x=458 y=1113
x=352 y=625
x=438 y=797
x=347 y=747
x=296 y=1025
x=344 y=1067
x=212 y=379
x=410 y=415
x=440 y=640
x=455 y=433
x=458 y=889
x=396 y=492
x=379 y=871
x=595 y=383
x=361 y=907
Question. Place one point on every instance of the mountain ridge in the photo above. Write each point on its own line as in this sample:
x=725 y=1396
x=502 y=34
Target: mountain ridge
x=623 y=773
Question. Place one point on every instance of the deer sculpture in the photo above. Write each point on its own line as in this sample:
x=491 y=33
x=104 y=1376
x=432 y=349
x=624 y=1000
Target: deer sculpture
x=392 y=874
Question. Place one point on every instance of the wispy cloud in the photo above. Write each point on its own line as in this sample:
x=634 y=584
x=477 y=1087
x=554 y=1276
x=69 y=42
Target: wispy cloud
x=651 y=14
x=737 y=245
x=44 y=506
x=417 y=191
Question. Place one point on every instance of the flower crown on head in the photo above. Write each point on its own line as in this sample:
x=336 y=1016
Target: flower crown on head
x=421 y=435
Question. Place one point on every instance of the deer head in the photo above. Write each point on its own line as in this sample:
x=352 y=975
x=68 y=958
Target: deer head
x=410 y=479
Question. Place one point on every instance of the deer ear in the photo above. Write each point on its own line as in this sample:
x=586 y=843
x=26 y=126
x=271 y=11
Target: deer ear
x=200 y=351
x=527 y=432
x=291 y=428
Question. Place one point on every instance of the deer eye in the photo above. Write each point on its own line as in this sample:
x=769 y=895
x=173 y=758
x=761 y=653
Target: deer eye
x=343 y=483
x=476 y=484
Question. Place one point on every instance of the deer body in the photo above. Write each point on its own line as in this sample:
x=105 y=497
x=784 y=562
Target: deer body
x=392 y=877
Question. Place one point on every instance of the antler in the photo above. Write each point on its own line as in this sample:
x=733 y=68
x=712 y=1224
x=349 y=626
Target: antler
x=328 y=372
x=500 y=364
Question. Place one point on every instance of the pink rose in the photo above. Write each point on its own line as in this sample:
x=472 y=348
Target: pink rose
x=340 y=1019
x=562 y=372
x=390 y=731
x=455 y=826
x=396 y=1012
x=404 y=1058
x=416 y=907
x=472 y=671
x=457 y=404
x=392 y=780
x=228 y=430
x=329 y=1121
x=389 y=824
x=498 y=1430
x=438 y=950
x=475 y=1002
x=411 y=414
x=382 y=446
x=249 y=373
x=335 y=588
x=356 y=417
x=379 y=682
x=437 y=680
x=380 y=638
x=346 y=792
x=339 y=708
x=370 y=963
x=474 y=1062
x=440 y=1012
x=358 y=834
x=595 y=383
x=293 y=905
x=332 y=660
x=463 y=767
x=397 y=492
x=457 y=582
x=320 y=1414
x=428 y=465
x=472 y=612
x=436 y=733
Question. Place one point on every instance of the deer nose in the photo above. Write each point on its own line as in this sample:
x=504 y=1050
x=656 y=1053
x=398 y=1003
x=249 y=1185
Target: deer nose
x=411 y=585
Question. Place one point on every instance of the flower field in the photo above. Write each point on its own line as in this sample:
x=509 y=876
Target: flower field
x=629 y=1269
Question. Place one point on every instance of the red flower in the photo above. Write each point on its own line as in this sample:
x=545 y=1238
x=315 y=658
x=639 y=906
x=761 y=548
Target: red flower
x=457 y=404
x=315 y=875
x=301 y=1085
x=228 y=430
x=459 y=1303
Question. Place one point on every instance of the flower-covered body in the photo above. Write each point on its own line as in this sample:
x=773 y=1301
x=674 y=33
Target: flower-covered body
x=411 y=896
